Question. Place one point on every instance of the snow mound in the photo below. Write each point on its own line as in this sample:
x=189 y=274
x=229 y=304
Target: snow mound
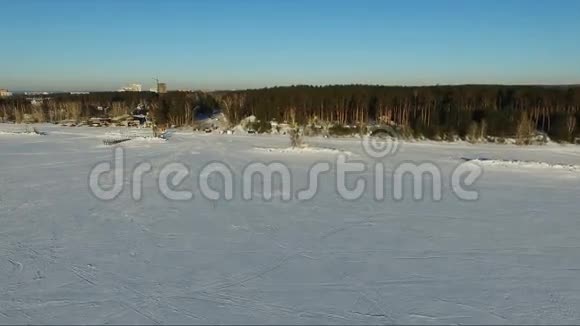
x=524 y=164
x=131 y=136
x=110 y=134
x=244 y=124
x=302 y=150
x=145 y=140
x=14 y=133
x=129 y=133
x=18 y=129
x=134 y=142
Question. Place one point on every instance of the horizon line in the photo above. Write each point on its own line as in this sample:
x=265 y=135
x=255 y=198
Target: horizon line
x=53 y=91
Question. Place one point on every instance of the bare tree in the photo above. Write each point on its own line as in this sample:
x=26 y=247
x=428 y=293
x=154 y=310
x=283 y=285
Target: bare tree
x=524 y=130
x=571 y=124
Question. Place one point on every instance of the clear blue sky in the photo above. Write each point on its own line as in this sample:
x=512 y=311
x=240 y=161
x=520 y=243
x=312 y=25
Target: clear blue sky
x=102 y=44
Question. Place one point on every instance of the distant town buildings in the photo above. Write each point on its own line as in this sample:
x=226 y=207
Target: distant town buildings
x=5 y=93
x=36 y=93
x=79 y=93
x=131 y=88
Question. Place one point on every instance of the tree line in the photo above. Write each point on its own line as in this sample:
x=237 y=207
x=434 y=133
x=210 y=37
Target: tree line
x=430 y=111
x=173 y=108
x=436 y=112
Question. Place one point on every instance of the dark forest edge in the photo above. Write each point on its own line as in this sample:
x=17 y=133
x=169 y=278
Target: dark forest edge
x=468 y=112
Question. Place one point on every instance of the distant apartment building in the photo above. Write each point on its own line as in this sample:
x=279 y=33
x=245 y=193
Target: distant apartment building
x=79 y=93
x=131 y=88
x=5 y=93
x=161 y=87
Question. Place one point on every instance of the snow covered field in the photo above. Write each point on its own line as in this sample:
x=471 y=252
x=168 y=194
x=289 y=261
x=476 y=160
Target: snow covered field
x=513 y=256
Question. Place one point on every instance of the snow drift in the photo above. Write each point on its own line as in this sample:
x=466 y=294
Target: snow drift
x=524 y=164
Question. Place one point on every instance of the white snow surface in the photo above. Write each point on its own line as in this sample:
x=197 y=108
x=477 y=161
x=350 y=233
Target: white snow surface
x=66 y=257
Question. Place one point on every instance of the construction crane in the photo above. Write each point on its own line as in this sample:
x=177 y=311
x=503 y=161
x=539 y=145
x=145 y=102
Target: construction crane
x=156 y=83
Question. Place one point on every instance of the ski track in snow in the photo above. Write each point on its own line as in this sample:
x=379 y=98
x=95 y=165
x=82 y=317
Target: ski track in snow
x=67 y=258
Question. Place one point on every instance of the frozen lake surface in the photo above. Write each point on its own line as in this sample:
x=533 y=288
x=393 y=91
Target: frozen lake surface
x=513 y=256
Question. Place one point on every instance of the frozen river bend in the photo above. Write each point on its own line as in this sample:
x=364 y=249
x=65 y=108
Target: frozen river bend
x=513 y=256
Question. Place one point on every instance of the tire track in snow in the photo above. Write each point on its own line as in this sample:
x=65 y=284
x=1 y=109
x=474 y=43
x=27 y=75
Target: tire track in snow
x=217 y=286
